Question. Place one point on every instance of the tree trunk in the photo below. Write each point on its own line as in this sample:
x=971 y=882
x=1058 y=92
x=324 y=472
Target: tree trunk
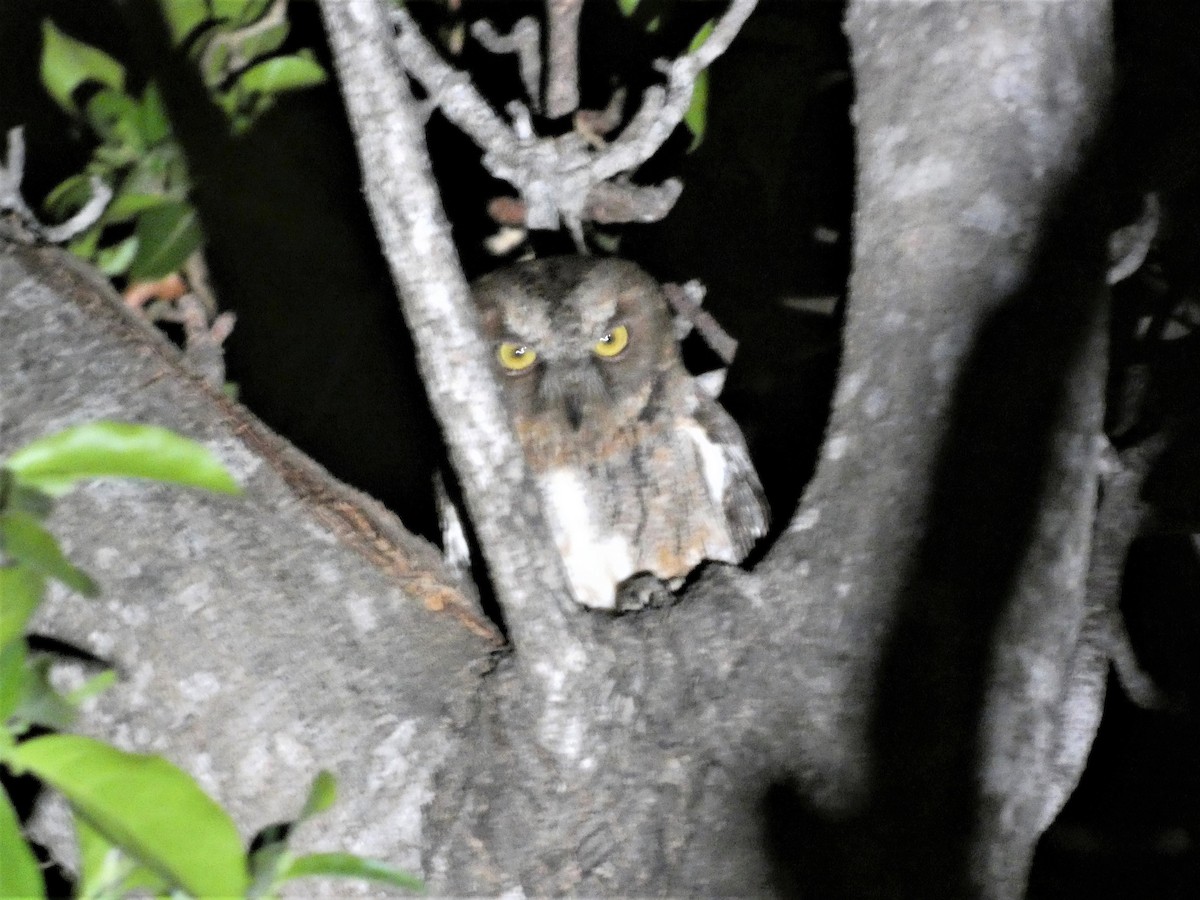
x=894 y=703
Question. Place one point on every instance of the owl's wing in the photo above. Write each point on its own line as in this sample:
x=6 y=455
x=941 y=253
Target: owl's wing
x=742 y=497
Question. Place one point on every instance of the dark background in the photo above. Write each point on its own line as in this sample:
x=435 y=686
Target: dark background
x=321 y=354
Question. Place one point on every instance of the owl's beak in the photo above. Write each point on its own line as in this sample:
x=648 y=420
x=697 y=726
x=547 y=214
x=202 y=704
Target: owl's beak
x=573 y=404
x=571 y=389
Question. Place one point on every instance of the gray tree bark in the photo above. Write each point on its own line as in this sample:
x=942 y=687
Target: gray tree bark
x=894 y=703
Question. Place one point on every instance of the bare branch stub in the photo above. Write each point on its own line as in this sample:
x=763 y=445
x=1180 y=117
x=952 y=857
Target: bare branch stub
x=525 y=41
x=573 y=178
x=685 y=300
x=562 y=57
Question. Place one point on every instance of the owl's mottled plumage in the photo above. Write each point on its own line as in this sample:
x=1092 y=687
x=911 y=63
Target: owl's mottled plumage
x=639 y=469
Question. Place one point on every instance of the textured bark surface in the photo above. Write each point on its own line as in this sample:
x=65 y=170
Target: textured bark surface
x=258 y=638
x=946 y=533
x=894 y=703
x=899 y=699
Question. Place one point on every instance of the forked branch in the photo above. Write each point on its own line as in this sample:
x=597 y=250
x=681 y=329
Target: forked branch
x=567 y=179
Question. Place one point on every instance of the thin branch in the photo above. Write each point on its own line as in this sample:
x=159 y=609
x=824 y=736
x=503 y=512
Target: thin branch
x=610 y=202
x=525 y=41
x=11 y=175
x=526 y=570
x=1128 y=246
x=1121 y=517
x=234 y=43
x=452 y=91
x=562 y=57
x=596 y=124
x=685 y=299
x=567 y=180
x=664 y=108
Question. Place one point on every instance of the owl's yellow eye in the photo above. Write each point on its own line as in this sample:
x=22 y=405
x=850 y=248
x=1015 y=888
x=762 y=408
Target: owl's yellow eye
x=515 y=357
x=613 y=342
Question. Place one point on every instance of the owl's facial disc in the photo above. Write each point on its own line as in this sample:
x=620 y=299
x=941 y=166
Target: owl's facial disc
x=572 y=387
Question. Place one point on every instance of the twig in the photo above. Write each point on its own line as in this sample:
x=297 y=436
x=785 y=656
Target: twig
x=562 y=57
x=685 y=299
x=524 y=40
x=11 y=175
x=235 y=42
x=664 y=108
x=595 y=125
x=1121 y=517
x=1128 y=246
x=564 y=180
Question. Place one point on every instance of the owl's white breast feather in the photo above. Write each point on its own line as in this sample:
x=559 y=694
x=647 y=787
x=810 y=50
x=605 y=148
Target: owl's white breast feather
x=596 y=563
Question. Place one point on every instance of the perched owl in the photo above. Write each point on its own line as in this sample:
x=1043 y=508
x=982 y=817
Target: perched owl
x=639 y=469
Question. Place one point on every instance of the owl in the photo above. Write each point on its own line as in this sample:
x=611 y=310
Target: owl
x=640 y=470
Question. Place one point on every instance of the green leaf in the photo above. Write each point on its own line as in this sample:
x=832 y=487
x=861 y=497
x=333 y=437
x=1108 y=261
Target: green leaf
x=84 y=246
x=20 y=594
x=23 y=498
x=105 y=871
x=321 y=795
x=119 y=449
x=257 y=44
x=145 y=806
x=183 y=17
x=115 y=260
x=23 y=539
x=152 y=116
x=167 y=236
x=281 y=74
x=160 y=172
x=347 y=865
x=239 y=13
x=111 y=158
x=68 y=63
x=269 y=859
x=20 y=875
x=628 y=7
x=127 y=206
x=696 y=117
x=116 y=118
x=213 y=65
x=93 y=687
x=12 y=679
x=68 y=196
x=40 y=703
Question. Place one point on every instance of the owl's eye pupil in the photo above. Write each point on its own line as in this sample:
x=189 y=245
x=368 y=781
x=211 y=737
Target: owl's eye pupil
x=612 y=343
x=516 y=357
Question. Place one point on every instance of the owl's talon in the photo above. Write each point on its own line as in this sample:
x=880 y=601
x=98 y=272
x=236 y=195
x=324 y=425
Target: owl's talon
x=641 y=591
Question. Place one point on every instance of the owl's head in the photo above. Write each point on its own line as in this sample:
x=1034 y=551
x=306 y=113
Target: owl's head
x=576 y=338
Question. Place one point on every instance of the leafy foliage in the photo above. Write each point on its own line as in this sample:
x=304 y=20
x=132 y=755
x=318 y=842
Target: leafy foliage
x=150 y=227
x=143 y=825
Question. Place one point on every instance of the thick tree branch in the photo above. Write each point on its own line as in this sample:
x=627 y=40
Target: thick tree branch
x=260 y=638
